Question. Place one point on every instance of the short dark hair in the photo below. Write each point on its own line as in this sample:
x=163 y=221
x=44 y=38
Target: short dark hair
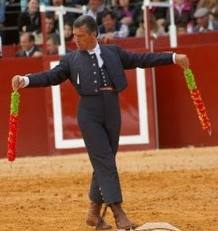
x=50 y=15
x=54 y=38
x=107 y=12
x=88 y=21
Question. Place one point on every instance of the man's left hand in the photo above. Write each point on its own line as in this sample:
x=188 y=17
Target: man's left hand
x=182 y=60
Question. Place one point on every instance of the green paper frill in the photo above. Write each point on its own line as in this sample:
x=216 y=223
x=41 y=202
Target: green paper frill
x=190 y=79
x=15 y=102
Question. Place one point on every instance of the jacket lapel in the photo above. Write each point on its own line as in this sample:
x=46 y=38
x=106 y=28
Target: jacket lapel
x=106 y=55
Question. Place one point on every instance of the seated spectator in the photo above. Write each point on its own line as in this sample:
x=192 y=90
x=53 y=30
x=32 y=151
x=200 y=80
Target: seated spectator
x=155 y=28
x=69 y=16
x=29 y=20
x=52 y=44
x=68 y=32
x=181 y=29
x=2 y=13
x=203 y=21
x=214 y=13
x=127 y=14
x=209 y=4
x=23 y=4
x=50 y=27
x=212 y=6
x=95 y=9
x=110 y=28
x=28 y=47
x=160 y=14
x=182 y=12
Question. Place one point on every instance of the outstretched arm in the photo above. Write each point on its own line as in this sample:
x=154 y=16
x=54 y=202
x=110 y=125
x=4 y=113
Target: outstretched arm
x=43 y=79
x=143 y=60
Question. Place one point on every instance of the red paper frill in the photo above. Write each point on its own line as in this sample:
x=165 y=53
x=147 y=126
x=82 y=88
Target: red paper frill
x=12 y=135
x=201 y=110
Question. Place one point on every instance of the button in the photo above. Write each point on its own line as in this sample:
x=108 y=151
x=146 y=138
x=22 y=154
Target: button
x=93 y=56
x=93 y=64
x=105 y=84
x=96 y=90
x=95 y=81
x=94 y=72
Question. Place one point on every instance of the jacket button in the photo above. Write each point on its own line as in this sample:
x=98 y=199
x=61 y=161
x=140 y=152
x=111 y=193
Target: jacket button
x=94 y=72
x=95 y=81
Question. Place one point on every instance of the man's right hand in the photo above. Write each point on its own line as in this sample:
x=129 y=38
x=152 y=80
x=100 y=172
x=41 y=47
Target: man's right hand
x=17 y=82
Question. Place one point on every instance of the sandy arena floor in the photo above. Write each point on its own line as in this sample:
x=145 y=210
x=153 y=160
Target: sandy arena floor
x=50 y=194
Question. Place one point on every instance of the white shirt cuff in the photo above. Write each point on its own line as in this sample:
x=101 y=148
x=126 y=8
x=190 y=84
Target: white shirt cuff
x=26 y=81
x=174 y=58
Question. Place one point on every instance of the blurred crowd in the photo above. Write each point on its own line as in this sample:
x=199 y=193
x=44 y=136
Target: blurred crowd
x=115 y=18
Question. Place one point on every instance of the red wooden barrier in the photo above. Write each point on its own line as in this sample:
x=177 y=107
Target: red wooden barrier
x=40 y=130
x=33 y=133
x=177 y=119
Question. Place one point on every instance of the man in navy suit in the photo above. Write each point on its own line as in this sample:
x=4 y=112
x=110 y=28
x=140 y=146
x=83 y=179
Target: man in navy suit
x=97 y=73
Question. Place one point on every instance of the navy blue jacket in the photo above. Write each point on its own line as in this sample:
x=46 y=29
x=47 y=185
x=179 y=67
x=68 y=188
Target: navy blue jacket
x=77 y=67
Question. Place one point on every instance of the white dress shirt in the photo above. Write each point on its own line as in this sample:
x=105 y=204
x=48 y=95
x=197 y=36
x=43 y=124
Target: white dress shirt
x=97 y=52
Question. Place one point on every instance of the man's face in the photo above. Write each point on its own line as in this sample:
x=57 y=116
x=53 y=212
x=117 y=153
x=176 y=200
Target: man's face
x=84 y=39
x=109 y=23
x=25 y=43
x=33 y=6
x=51 y=48
x=203 y=21
x=94 y=4
x=67 y=31
x=49 y=25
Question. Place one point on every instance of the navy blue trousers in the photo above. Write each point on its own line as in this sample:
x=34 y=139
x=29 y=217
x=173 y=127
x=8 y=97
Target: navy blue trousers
x=99 y=120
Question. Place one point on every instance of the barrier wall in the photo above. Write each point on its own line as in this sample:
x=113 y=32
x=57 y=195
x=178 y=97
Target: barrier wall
x=139 y=43
x=47 y=119
x=178 y=125
x=33 y=133
x=177 y=118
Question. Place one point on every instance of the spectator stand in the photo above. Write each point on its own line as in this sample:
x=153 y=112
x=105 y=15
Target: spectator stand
x=147 y=4
x=9 y=31
x=60 y=11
